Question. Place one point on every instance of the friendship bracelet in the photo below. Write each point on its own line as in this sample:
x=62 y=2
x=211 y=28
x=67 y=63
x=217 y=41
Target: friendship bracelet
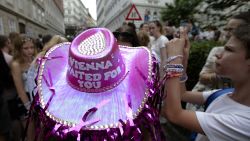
x=171 y=75
x=171 y=58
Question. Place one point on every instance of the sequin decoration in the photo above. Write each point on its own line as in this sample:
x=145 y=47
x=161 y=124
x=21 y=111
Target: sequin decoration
x=92 y=45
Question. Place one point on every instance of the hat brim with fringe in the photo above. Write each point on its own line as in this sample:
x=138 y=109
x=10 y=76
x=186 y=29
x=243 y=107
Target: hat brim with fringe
x=128 y=105
x=69 y=105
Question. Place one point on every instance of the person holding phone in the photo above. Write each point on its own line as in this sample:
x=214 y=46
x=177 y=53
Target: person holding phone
x=228 y=116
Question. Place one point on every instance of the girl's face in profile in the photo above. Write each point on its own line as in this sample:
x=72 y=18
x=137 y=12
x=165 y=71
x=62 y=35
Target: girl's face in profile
x=232 y=62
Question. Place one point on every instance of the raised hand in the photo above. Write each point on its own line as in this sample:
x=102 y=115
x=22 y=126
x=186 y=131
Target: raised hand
x=186 y=49
x=175 y=47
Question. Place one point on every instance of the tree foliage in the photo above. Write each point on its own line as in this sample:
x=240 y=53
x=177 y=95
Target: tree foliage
x=180 y=10
x=223 y=4
x=198 y=54
x=211 y=11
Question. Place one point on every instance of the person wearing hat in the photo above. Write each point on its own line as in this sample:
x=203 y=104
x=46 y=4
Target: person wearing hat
x=95 y=89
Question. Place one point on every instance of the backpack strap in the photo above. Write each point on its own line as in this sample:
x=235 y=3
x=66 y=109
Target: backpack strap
x=209 y=100
x=216 y=94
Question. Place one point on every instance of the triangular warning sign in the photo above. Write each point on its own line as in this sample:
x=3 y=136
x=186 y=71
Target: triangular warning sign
x=133 y=14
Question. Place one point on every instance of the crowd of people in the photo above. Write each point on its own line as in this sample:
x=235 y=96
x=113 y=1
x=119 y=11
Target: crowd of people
x=227 y=118
x=19 y=53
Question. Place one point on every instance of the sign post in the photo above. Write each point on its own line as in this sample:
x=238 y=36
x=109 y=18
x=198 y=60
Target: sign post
x=133 y=14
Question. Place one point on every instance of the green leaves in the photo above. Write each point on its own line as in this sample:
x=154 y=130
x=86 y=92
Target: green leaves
x=197 y=58
x=180 y=10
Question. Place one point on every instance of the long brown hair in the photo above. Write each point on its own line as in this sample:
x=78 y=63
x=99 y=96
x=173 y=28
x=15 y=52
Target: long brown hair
x=159 y=25
x=19 y=42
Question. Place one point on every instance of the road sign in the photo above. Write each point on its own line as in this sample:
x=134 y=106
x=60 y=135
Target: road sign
x=133 y=14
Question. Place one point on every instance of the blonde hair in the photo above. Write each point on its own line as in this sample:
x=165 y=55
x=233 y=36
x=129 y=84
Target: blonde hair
x=143 y=38
x=56 y=39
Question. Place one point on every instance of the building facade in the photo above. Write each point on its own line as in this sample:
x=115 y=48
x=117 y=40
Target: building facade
x=54 y=16
x=32 y=17
x=76 y=17
x=112 y=14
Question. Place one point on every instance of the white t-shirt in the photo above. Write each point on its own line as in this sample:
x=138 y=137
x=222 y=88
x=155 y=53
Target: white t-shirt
x=156 y=45
x=224 y=120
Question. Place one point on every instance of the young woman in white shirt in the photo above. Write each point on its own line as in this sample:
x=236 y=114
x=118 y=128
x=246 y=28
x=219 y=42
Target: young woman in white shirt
x=157 y=44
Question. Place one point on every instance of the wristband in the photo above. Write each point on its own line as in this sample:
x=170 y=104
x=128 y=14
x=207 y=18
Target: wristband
x=177 y=70
x=183 y=78
x=173 y=66
x=171 y=58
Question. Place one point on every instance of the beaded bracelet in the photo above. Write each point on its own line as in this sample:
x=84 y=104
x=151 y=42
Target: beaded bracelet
x=177 y=70
x=173 y=66
x=171 y=58
x=183 y=78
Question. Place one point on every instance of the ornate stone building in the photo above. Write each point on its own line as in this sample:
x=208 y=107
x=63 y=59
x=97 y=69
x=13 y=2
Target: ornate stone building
x=77 y=17
x=32 y=17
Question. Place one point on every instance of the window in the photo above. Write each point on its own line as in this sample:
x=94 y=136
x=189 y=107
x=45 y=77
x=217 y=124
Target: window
x=34 y=11
x=155 y=13
x=39 y=15
x=43 y=20
x=1 y=26
x=150 y=1
x=156 y=1
x=12 y=25
x=21 y=27
x=29 y=31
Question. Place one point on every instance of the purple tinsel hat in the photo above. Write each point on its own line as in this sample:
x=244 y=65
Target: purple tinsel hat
x=94 y=84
